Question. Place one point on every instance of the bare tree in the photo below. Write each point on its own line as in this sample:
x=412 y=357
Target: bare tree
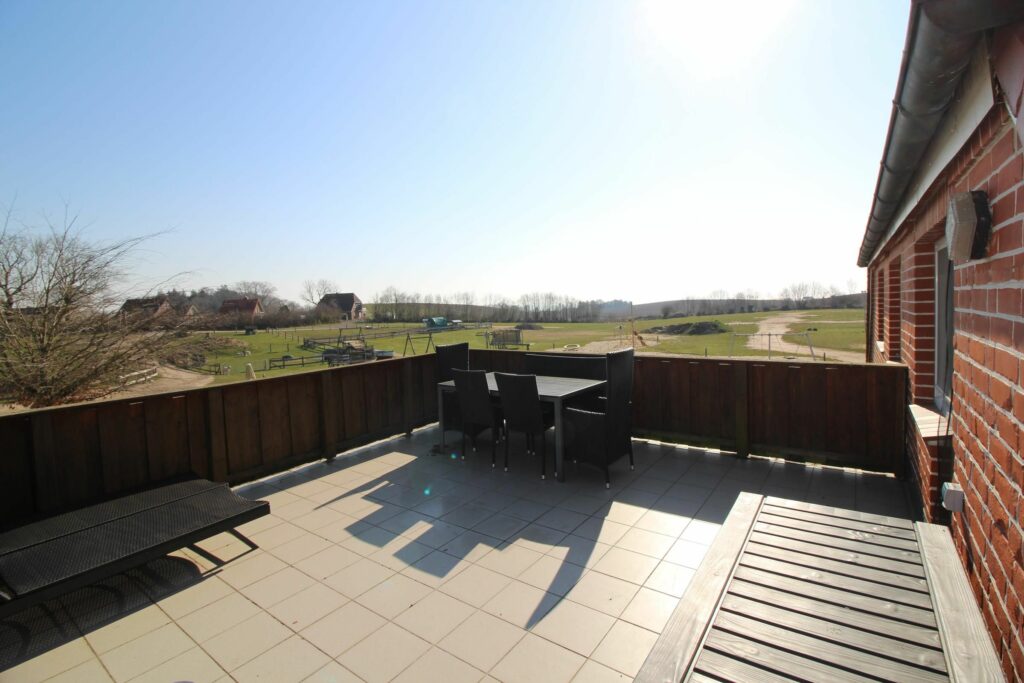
x=314 y=290
x=256 y=289
x=62 y=336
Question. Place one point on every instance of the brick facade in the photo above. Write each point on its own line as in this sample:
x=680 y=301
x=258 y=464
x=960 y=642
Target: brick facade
x=987 y=418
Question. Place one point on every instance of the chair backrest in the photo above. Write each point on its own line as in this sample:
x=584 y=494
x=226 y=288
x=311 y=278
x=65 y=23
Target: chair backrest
x=520 y=401
x=561 y=365
x=620 y=396
x=474 y=396
x=451 y=356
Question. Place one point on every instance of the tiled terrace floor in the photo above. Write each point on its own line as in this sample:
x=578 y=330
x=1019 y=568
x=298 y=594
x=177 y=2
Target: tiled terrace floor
x=390 y=564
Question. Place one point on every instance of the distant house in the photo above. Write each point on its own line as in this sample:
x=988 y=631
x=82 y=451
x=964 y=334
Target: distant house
x=187 y=311
x=347 y=305
x=245 y=309
x=146 y=307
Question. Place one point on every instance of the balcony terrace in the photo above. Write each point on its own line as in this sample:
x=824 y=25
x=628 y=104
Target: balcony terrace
x=389 y=563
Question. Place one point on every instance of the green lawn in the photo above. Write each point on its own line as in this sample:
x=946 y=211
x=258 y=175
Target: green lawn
x=264 y=346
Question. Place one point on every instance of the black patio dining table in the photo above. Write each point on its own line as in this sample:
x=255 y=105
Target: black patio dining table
x=554 y=390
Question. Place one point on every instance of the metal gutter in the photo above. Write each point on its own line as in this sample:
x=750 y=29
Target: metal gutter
x=941 y=36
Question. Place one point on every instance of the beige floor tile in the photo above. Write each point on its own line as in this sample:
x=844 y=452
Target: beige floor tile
x=384 y=654
x=662 y=523
x=300 y=548
x=333 y=673
x=539 y=538
x=582 y=503
x=521 y=604
x=246 y=640
x=500 y=526
x=535 y=660
x=622 y=512
x=468 y=516
x=687 y=553
x=318 y=518
x=196 y=596
x=90 y=671
x=287 y=662
x=670 y=578
x=552 y=575
x=626 y=565
x=561 y=519
x=475 y=585
x=700 y=531
x=257 y=566
x=356 y=579
x=277 y=587
x=436 y=568
x=437 y=666
x=592 y=672
x=146 y=652
x=192 y=665
x=400 y=553
x=369 y=541
x=342 y=628
x=393 y=596
x=604 y=593
x=646 y=542
x=603 y=530
x=527 y=510
x=218 y=616
x=510 y=560
x=482 y=640
x=125 y=628
x=434 y=617
x=277 y=535
x=650 y=609
x=625 y=648
x=341 y=531
x=55 y=661
x=470 y=546
x=574 y=626
x=327 y=562
x=579 y=550
x=295 y=510
x=307 y=606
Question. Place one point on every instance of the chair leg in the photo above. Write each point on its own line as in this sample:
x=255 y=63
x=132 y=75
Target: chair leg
x=463 y=444
x=506 y=452
x=543 y=454
x=629 y=443
x=607 y=477
x=494 y=443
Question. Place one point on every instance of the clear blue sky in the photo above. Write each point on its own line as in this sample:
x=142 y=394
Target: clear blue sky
x=636 y=150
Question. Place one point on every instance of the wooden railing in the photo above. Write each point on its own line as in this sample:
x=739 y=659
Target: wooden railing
x=59 y=458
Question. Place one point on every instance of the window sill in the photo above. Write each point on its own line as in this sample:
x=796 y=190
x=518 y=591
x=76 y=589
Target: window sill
x=932 y=425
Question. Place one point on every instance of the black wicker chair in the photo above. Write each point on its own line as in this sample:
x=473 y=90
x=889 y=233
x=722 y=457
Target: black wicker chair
x=479 y=413
x=522 y=409
x=600 y=438
x=449 y=357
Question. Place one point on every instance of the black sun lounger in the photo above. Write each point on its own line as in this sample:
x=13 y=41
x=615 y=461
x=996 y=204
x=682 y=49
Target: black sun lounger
x=47 y=558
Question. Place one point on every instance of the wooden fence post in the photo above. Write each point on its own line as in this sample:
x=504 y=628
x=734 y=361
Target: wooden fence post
x=742 y=424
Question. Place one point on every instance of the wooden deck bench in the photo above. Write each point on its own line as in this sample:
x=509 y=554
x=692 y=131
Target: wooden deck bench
x=45 y=559
x=796 y=591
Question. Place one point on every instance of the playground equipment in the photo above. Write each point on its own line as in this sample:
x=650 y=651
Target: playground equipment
x=409 y=337
x=505 y=338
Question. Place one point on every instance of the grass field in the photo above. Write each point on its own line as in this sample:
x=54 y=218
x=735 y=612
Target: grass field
x=837 y=329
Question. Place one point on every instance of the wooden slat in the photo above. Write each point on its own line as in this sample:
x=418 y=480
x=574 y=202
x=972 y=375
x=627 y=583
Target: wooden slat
x=841 y=523
x=866 y=621
x=677 y=647
x=167 y=446
x=965 y=640
x=242 y=427
x=304 y=414
x=274 y=442
x=858 y=559
x=838 y=542
x=122 y=435
x=813 y=647
x=16 y=478
x=726 y=668
x=840 y=512
x=837 y=596
x=826 y=530
x=879 y=576
x=217 y=439
x=828 y=578
x=839 y=633
x=778 y=660
x=198 y=428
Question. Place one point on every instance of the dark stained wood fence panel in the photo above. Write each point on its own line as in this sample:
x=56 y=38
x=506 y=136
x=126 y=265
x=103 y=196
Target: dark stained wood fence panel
x=167 y=439
x=242 y=427
x=198 y=434
x=122 y=435
x=275 y=439
x=16 y=466
x=303 y=414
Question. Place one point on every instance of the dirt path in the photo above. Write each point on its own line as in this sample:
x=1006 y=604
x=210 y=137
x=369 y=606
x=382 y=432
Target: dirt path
x=778 y=324
x=168 y=379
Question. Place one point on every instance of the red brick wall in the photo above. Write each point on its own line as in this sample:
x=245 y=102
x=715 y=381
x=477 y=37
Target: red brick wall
x=923 y=472
x=988 y=396
x=893 y=307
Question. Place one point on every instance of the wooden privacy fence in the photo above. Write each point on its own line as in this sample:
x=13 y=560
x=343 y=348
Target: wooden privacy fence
x=850 y=415
x=60 y=458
